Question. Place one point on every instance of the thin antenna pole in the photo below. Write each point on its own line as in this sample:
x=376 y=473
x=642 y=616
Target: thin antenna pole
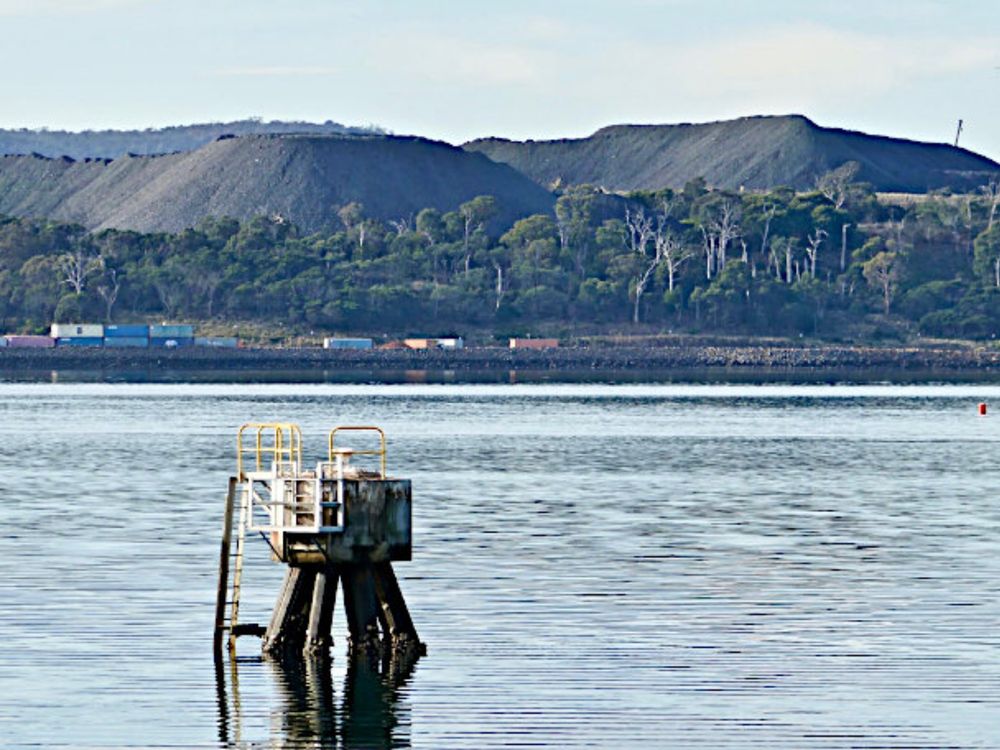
x=958 y=132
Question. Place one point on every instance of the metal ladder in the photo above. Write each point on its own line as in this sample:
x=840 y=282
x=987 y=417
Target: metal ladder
x=293 y=497
x=228 y=609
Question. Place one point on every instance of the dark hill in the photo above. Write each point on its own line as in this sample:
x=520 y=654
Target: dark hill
x=110 y=144
x=751 y=152
x=301 y=177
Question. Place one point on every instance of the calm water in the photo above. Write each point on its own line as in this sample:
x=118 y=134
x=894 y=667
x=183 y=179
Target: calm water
x=595 y=566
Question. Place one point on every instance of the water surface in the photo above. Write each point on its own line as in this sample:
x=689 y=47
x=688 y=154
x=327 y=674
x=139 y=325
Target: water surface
x=594 y=566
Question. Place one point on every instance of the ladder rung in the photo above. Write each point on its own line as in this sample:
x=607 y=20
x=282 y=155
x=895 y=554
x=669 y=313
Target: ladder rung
x=248 y=629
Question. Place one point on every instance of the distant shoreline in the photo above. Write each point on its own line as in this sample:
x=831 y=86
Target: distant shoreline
x=630 y=362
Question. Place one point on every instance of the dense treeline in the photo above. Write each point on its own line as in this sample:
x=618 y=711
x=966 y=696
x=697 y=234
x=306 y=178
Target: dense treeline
x=836 y=262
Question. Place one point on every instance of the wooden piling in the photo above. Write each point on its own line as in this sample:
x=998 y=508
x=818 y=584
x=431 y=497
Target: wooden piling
x=399 y=624
x=318 y=636
x=223 y=585
x=287 y=628
x=361 y=606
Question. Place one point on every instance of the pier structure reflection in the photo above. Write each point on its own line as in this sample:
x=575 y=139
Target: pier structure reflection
x=367 y=714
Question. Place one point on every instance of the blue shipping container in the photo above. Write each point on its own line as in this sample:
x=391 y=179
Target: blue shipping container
x=118 y=342
x=80 y=341
x=3 y=341
x=171 y=332
x=171 y=343
x=130 y=330
x=334 y=343
x=222 y=342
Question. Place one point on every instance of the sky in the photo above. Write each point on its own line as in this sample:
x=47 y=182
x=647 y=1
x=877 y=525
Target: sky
x=460 y=69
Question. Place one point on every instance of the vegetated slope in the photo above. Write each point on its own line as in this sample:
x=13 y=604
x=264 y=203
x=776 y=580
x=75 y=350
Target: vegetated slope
x=110 y=144
x=751 y=152
x=302 y=178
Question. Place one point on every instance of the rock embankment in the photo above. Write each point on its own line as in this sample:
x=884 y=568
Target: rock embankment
x=611 y=359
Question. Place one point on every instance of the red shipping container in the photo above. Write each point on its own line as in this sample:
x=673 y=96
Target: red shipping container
x=31 y=342
x=534 y=343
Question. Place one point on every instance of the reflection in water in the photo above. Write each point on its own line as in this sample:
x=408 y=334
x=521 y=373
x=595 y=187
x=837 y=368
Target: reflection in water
x=721 y=375
x=368 y=713
x=739 y=567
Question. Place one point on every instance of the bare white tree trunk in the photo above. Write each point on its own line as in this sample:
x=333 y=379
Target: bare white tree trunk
x=401 y=226
x=672 y=252
x=992 y=192
x=709 y=242
x=109 y=292
x=500 y=290
x=726 y=228
x=835 y=185
x=769 y=211
x=640 y=231
x=899 y=226
x=815 y=240
x=76 y=267
x=843 y=246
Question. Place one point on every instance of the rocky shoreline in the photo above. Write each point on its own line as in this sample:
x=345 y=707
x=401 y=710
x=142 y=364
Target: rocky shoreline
x=612 y=359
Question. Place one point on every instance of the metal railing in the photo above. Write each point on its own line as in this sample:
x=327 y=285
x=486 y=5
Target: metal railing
x=293 y=505
x=278 y=495
x=279 y=441
x=381 y=452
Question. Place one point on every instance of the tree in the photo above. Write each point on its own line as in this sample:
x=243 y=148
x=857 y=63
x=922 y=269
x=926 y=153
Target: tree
x=8 y=287
x=767 y=210
x=986 y=261
x=532 y=242
x=475 y=214
x=77 y=266
x=402 y=226
x=71 y=309
x=501 y=258
x=352 y=217
x=718 y=217
x=527 y=230
x=672 y=251
x=430 y=226
x=640 y=230
x=991 y=191
x=815 y=240
x=573 y=211
x=108 y=289
x=783 y=253
x=598 y=299
x=835 y=185
x=882 y=274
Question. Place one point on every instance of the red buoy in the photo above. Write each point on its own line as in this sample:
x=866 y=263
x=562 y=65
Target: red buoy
x=982 y=410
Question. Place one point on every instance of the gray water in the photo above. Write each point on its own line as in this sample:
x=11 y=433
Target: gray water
x=594 y=566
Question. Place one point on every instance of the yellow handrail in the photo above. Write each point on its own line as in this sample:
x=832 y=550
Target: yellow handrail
x=380 y=453
x=285 y=445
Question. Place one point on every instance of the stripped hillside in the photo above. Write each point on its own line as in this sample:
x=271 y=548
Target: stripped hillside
x=751 y=152
x=110 y=144
x=303 y=178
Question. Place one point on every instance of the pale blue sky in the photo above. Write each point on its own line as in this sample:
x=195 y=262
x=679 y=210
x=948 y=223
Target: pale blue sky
x=516 y=68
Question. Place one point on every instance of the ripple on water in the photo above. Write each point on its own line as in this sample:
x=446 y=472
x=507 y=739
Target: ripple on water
x=703 y=567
